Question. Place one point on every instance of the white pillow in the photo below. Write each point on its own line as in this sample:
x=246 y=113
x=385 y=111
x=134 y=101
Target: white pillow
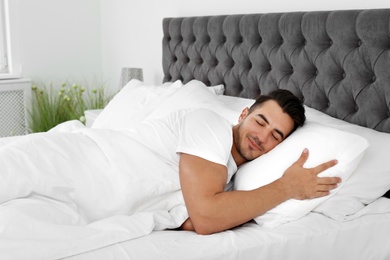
x=194 y=94
x=217 y=90
x=371 y=179
x=324 y=144
x=135 y=101
x=132 y=104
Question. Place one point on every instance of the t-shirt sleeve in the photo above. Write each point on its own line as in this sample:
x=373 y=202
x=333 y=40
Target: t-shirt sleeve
x=206 y=134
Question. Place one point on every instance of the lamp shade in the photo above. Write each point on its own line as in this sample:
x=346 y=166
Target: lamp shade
x=128 y=74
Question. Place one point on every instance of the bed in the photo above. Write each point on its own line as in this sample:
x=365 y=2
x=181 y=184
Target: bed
x=336 y=61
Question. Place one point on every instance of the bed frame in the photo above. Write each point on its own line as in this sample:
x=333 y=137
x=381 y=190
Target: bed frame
x=343 y=71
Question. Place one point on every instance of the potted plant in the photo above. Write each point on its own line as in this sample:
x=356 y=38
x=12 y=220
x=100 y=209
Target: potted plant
x=54 y=105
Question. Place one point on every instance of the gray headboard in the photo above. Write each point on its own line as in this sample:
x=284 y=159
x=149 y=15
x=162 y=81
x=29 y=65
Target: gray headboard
x=337 y=61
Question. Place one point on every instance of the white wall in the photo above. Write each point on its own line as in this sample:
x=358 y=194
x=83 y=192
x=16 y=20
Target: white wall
x=60 y=40
x=86 y=39
x=132 y=30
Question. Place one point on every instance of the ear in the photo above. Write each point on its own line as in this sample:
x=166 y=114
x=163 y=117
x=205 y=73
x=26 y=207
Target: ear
x=243 y=114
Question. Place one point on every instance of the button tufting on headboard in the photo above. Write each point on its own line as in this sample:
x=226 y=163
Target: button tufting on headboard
x=337 y=61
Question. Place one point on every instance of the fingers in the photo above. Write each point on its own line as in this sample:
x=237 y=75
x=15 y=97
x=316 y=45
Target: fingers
x=325 y=185
x=324 y=166
x=321 y=194
x=320 y=168
x=303 y=158
x=306 y=180
x=329 y=181
x=326 y=188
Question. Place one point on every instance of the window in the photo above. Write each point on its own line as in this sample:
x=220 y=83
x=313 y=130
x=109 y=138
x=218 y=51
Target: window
x=9 y=61
x=3 y=40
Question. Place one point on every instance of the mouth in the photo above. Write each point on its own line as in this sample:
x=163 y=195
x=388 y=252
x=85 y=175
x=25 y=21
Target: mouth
x=255 y=145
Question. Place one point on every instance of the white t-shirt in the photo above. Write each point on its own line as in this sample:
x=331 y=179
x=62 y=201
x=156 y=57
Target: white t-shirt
x=201 y=132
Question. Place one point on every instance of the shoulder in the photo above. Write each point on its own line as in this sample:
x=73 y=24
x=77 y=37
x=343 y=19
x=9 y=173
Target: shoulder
x=205 y=115
x=206 y=124
x=205 y=118
x=206 y=134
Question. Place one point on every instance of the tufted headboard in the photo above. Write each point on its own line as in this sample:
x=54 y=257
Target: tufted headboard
x=338 y=62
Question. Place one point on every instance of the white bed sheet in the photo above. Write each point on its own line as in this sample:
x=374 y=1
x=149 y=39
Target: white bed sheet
x=313 y=237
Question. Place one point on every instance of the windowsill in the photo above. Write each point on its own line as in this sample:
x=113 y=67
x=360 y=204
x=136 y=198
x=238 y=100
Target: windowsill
x=14 y=80
x=9 y=76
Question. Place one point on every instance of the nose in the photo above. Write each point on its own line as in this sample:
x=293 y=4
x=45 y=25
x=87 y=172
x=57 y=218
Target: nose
x=264 y=135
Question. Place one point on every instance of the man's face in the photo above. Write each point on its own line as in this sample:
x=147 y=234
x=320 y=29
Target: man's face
x=261 y=130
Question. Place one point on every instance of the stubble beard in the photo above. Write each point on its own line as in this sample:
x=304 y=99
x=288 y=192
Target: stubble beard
x=243 y=152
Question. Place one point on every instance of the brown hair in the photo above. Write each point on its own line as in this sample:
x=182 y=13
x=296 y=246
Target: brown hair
x=289 y=103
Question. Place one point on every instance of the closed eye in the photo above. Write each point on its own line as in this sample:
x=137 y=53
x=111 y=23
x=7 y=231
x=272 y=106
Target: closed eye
x=277 y=132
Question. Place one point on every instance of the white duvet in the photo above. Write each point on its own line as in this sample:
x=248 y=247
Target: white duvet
x=82 y=190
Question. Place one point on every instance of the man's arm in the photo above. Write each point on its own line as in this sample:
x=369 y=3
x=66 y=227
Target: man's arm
x=211 y=209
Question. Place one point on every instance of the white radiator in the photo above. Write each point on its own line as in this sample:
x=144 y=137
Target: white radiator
x=14 y=99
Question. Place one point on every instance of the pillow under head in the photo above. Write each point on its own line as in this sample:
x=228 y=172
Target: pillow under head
x=324 y=144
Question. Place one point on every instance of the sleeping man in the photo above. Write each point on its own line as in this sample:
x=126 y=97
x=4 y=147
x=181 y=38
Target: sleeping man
x=180 y=163
x=203 y=174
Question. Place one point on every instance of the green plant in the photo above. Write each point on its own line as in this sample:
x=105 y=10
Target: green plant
x=54 y=105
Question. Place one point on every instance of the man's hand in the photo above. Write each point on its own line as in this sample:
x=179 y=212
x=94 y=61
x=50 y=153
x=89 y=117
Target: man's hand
x=304 y=183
